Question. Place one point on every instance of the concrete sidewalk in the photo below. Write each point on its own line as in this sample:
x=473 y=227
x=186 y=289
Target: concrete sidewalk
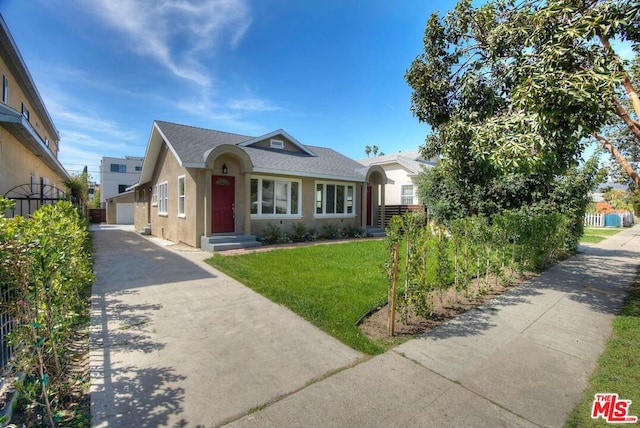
x=521 y=360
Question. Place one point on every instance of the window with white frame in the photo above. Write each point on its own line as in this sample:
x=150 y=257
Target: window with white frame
x=275 y=196
x=181 y=196
x=406 y=194
x=163 y=199
x=154 y=196
x=335 y=199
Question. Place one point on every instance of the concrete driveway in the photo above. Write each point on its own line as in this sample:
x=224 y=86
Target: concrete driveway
x=176 y=343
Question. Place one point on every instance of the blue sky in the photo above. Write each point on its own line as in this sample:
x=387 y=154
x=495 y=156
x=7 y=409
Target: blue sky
x=331 y=72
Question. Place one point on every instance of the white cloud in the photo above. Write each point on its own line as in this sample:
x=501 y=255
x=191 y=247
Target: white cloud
x=252 y=104
x=175 y=32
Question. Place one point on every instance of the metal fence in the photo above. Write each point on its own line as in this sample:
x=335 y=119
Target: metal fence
x=6 y=324
x=29 y=197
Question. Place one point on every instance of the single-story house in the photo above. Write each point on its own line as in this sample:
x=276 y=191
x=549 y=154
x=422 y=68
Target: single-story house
x=402 y=170
x=197 y=183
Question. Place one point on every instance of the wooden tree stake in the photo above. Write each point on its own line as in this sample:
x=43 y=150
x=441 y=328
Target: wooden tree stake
x=392 y=298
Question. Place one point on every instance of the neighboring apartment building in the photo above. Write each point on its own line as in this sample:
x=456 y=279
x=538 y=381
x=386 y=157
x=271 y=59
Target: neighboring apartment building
x=402 y=170
x=116 y=174
x=29 y=140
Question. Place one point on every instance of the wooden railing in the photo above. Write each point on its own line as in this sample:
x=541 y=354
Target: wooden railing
x=391 y=210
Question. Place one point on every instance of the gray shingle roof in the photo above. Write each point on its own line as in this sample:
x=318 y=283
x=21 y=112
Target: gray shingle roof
x=412 y=161
x=190 y=144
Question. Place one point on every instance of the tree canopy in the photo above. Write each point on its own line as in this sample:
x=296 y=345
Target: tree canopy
x=518 y=88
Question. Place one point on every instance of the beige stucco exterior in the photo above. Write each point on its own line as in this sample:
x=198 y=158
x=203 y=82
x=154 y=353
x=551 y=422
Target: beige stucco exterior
x=197 y=221
x=29 y=141
x=19 y=165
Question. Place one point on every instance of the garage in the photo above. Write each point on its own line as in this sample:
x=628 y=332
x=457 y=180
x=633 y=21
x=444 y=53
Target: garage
x=121 y=208
x=124 y=213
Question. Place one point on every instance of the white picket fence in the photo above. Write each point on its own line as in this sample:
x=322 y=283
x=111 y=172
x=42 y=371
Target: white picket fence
x=597 y=220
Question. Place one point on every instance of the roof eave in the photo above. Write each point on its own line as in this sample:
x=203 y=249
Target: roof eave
x=22 y=130
x=273 y=171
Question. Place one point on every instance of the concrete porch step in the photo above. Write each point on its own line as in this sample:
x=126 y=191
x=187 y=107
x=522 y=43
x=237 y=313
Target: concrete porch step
x=228 y=241
x=376 y=232
x=146 y=230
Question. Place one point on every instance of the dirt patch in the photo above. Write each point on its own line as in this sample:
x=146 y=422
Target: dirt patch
x=74 y=408
x=444 y=308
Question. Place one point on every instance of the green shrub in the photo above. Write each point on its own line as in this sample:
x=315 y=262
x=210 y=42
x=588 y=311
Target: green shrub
x=330 y=231
x=45 y=262
x=272 y=234
x=301 y=233
x=351 y=231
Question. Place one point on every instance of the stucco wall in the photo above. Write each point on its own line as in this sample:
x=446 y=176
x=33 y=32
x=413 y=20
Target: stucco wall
x=17 y=96
x=110 y=181
x=142 y=205
x=18 y=164
x=397 y=177
x=171 y=226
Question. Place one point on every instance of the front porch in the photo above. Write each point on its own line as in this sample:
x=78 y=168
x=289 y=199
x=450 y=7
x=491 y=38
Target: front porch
x=228 y=241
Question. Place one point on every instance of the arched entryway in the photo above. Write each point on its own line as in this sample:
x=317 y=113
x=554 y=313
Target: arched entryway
x=226 y=186
x=373 y=197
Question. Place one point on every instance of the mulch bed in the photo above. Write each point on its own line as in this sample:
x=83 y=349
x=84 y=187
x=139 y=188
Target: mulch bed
x=453 y=304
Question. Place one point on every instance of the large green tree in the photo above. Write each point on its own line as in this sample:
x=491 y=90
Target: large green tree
x=518 y=88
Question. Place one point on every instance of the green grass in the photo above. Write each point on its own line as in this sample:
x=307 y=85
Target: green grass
x=594 y=235
x=331 y=286
x=618 y=369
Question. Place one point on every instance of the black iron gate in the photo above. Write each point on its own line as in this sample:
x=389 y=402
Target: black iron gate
x=30 y=197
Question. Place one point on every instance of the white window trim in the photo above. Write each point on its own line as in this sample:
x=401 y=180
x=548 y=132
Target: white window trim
x=270 y=216
x=413 y=194
x=183 y=196
x=276 y=144
x=154 y=196
x=324 y=214
x=164 y=184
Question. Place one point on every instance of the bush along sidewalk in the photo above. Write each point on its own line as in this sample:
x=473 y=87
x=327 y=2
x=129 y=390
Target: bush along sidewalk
x=46 y=266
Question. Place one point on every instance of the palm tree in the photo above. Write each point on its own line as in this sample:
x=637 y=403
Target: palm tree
x=367 y=150
x=374 y=149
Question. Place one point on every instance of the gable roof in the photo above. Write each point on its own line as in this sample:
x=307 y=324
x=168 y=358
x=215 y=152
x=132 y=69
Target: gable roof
x=280 y=132
x=412 y=161
x=191 y=145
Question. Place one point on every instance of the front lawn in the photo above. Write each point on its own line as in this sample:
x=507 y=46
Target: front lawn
x=618 y=369
x=331 y=286
x=594 y=235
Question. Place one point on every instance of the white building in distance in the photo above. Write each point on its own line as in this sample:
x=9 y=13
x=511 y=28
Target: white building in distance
x=402 y=171
x=116 y=174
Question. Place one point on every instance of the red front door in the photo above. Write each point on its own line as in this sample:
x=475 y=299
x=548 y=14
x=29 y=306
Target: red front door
x=223 y=201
